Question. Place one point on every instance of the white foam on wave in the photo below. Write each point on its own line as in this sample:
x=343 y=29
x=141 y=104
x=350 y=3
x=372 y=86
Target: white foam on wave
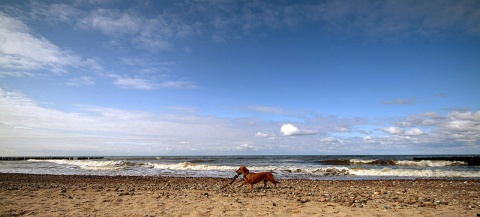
x=191 y=166
x=419 y=163
x=95 y=165
x=361 y=161
x=413 y=173
x=313 y=171
x=429 y=163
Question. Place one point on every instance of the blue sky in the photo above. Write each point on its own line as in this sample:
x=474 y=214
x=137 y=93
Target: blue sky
x=239 y=77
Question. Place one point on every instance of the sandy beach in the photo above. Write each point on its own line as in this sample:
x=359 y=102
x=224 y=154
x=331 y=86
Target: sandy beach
x=52 y=195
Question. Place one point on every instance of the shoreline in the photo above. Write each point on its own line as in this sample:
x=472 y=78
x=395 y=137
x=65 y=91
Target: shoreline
x=90 y=195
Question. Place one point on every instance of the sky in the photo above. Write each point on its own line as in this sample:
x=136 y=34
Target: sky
x=219 y=77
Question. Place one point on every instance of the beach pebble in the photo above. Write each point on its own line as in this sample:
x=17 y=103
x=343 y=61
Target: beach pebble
x=303 y=200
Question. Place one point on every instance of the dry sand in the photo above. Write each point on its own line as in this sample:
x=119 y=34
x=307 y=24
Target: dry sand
x=49 y=195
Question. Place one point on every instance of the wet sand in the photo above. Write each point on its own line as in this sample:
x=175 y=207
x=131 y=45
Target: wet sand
x=51 y=195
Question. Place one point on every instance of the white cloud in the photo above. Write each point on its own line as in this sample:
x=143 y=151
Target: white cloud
x=461 y=126
x=393 y=130
x=270 y=136
x=261 y=134
x=150 y=74
x=54 y=13
x=456 y=129
x=16 y=74
x=112 y=22
x=134 y=83
x=465 y=116
x=414 y=132
x=157 y=34
x=401 y=131
x=244 y=147
x=368 y=140
x=117 y=114
x=20 y=50
x=342 y=129
x=149 y=84
x=177 y=84
x=150 y=33
x=290 y=130
x=23 y=53
x=329 y=140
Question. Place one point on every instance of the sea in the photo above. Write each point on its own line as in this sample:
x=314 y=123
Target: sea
x=312 y=167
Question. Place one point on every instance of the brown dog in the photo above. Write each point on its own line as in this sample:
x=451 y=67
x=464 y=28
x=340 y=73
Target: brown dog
x=254 y=178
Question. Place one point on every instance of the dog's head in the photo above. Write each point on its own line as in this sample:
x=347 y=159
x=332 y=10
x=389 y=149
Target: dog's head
x=242 y=170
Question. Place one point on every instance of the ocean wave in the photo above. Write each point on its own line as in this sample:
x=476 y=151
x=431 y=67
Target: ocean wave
x=362 y=161
x=96 y=165
x=429 y=163
x=191 y=166
x=390 y=172
x=406 y=163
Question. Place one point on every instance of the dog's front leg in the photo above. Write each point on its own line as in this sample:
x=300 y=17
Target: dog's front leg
x=243 y=183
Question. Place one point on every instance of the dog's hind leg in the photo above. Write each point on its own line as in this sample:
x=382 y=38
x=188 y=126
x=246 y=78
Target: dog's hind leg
x=274 y=182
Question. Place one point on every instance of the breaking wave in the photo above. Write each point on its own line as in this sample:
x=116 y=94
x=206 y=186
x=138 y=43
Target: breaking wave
x=390 y=172
x=96 y=165
x=429 y=163
x=376 y=162
x=191 y=166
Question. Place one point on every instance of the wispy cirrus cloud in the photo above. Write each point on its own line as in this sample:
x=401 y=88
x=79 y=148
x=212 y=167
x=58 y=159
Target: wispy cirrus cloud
x=133 y=83
x=150 y=83
x=150 y=74
x=16 y=74
x=223 y=21
x=112 y=22
x=400 y=18
x=21 y=50
x=177 y=84
x=130 y=26
x=54 y=13
x=371 y=19
x=26 y=54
